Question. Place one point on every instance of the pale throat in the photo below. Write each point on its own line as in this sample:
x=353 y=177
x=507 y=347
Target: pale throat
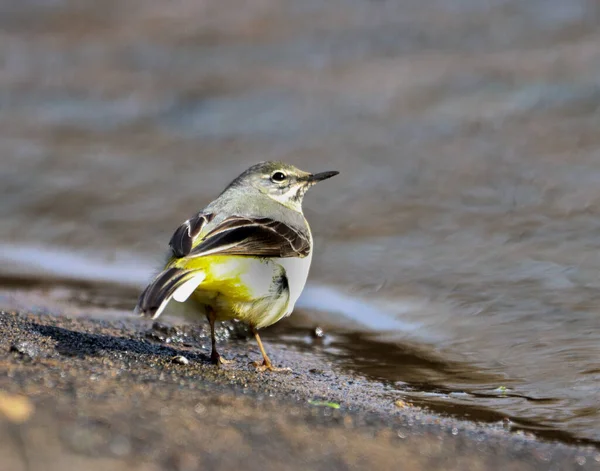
x=289 y=200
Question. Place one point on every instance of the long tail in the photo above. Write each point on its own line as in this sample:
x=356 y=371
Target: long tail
x=172 y=283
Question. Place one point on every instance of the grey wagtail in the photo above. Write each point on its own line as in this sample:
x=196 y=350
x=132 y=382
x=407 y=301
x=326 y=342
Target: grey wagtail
x=245 y=256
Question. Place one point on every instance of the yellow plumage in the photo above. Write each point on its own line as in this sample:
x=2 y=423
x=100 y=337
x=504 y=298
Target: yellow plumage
x=237 y=287
x=223 y=274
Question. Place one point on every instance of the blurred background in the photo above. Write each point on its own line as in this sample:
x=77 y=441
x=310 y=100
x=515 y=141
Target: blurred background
x=457 y=254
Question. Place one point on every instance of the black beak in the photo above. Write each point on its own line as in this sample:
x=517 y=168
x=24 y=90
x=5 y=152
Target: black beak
x=317 y=177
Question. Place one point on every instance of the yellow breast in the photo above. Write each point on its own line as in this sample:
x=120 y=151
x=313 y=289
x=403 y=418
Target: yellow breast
x=240 y=279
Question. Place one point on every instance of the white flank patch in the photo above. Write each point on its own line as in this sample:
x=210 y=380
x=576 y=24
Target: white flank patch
x=296 y=271
x=257 y=277
x=182 y=293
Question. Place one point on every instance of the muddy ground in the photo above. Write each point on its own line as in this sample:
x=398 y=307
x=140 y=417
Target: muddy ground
x=84 y=393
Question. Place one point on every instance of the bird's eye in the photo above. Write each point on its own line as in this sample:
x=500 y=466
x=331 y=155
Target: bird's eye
x=278 y=177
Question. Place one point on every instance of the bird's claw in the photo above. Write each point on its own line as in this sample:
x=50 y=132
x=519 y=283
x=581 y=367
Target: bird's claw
x=262 y=366
x=219 y=360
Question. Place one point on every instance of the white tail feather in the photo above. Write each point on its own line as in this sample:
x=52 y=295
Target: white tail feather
x=182 y=293
x=162 y=307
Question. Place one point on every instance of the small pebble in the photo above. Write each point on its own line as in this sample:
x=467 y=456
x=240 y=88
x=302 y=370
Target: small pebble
x=27 y=349
x=120 y=446
x=402 y=404
x=15 y=408
x=181 y=360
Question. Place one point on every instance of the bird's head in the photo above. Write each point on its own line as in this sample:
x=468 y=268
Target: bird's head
x=280 y=181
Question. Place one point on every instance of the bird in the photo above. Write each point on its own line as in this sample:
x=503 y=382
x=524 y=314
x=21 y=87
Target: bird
x=245 y=256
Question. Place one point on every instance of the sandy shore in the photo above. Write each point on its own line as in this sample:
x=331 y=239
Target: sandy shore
x=82 y=393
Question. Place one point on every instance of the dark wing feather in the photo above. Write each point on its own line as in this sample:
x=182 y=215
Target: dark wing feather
x=261 y=237
x=162 y=287
x=183 y=239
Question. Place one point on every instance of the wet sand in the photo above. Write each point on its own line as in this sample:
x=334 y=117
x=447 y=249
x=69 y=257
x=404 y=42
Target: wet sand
x=101 y=394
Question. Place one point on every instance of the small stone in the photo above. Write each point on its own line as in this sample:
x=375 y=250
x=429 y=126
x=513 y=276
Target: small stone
x=155 y=337
x=15 y=408
x=181 y=360
x=163 y=329
x=26 y=349
x=402 y=404
x=120 y=445
x=318 y=333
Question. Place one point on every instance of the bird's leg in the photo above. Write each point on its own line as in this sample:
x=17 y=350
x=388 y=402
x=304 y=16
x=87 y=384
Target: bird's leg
x=266 y=363
x=215 y=357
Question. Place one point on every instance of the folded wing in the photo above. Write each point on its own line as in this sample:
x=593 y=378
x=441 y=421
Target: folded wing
x=258 y=237
x=183 y=239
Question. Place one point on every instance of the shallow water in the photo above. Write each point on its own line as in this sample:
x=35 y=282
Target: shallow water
x=457 y=254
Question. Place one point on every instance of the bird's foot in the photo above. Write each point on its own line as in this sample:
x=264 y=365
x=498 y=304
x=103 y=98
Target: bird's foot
x=217 y=359
x=262 y=366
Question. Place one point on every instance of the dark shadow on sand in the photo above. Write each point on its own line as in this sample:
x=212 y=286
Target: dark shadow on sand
x=81 y=344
